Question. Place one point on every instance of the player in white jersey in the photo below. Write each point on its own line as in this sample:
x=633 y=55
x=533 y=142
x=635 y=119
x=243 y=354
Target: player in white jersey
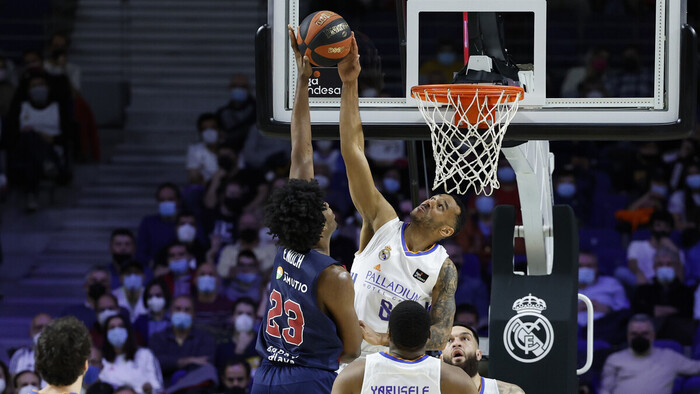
x=462 y=351
x=405 y=368
x=396 y=261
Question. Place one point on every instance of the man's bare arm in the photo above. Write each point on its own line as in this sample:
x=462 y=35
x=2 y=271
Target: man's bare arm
x=365 y=196
x=336 y=295
x=350 y=379
x=302 y=164
x=442 y=311
x=508 y=388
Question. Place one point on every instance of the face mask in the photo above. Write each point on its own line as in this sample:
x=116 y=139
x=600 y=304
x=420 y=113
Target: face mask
x=2 y=385
x=369 y=92
x=640 y=345
x=39 y=94
x=96 y=290
x=121 y=257
x=35 y=339
x=243 y=323
x=506 y=174
x=239 y=95
x=658 y=234
x=133 y=281
x=206 y=284
x=156 y=304
x=167 y=208
x=186 y=233
x=247 y=278
x=178 y=267
x=566 y=189
x=665 y=274
x=117 y=336
x=181 y=320
x=210 y=136
x=322 y=181
x=232 y=203
x=225 y=163
x=484 y=204
x=248 y=235
x=446 y=58
x=693 y=181
x=324 y=144
x=391 y=185
x=106 y=314
x=586 y=275
x=659 y=189
x=28 y=389
x=91 y=375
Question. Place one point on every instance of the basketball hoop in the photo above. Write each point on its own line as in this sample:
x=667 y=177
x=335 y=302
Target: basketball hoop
x=467 y=124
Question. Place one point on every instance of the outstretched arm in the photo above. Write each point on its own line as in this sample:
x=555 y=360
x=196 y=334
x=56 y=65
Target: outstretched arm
x=442 y=311
x=302 y=166
x=374 y=209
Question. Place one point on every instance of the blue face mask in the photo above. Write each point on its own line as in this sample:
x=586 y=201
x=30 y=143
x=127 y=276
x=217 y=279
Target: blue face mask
x=659 y=189
x=693 y=181
x=506 y=174
x=133 y=282
x=167 y=208
x=178 y=267
x=247 y=277
x=239 y=95
x=391 y=185
x=446 y=58
x=206 y=284
x=484 y=204
x=586 y=275
x=117 y=336
x=566 y=189
x=181 y=320
x=665 y=274
x=91 y=375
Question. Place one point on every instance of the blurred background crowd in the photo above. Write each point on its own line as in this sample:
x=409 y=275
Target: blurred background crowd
x=149 y=231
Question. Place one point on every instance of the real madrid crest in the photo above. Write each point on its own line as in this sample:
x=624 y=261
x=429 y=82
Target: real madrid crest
x=528 y=336
x=385 y=253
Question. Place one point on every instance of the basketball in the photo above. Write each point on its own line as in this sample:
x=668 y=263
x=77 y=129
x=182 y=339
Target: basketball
x=324 y=37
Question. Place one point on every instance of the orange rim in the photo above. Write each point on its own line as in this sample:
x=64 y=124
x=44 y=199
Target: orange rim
x=466 y=92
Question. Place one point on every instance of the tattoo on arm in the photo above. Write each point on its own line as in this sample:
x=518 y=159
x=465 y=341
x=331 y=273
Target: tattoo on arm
x=508 y=388
x=443 y=308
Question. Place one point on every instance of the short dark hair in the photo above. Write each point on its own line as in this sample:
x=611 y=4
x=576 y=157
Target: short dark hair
x=130 y=264
x=62 y=350
x=168 y=185
x=100 y=388
x=204 y=117
x=244 y=300
x=409 y=325
x=294 y=214
x=108 y=352
x=16 y=376
x=473 y=331
x=461 y=218
x=236 y=361
x=466 y=308
x=122 y=231
x=163 y=286
x=661 y=215
x=124 y=387
x=247 y=253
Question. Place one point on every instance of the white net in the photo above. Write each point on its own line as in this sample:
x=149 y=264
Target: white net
x=466 y=151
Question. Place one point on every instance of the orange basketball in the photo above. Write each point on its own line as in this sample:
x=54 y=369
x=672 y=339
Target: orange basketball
x=325 y=38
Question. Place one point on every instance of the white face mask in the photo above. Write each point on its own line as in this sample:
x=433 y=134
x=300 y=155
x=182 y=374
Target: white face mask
x=35 y=338
x=186 y=233
x=105 y=314
x=28 y=389
x=2 y=385
x=210 y=136
x=244 y=323
x=156 y=304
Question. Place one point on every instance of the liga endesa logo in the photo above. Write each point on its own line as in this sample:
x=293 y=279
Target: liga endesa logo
x=325 y=83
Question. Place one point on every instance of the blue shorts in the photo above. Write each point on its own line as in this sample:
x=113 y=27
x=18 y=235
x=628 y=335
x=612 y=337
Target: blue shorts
x=291 y=379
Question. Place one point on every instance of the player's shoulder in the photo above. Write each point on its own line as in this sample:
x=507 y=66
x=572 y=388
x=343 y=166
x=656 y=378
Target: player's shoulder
x=453 y=378
x=354 y=372
x=508 y=388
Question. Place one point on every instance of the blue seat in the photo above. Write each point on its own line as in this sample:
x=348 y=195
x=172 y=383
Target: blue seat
x=692 y=384
x=611 y=258
x=471 y=266
x=669 y=344
x=597 y=238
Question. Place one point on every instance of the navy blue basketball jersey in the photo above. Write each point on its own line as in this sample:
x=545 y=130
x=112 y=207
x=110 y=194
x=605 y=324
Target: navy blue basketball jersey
x=296 y=331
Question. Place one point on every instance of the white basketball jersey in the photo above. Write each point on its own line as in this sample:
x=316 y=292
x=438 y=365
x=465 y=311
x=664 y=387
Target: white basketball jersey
x=386 y=273
x=488 y=386
x=385 y=373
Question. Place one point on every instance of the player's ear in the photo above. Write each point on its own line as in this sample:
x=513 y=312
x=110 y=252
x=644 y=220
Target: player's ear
x=87 y=365
x=479 y=355
x=446 y=231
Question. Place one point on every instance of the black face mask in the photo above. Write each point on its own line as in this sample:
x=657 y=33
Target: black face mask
x=640 y=345
x=659 y=234
x=226 y=163
x=96 y=290
x=248 y=235
x=120 y=258
x=232 y=204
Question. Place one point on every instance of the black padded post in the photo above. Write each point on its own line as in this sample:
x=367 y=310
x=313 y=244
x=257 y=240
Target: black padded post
x=532 y=324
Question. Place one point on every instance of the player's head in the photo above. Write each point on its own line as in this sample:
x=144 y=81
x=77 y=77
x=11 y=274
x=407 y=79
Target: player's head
x=409 y=326
x=297 y=215
x=462 y=349
x=62 y=351
x=443 y=214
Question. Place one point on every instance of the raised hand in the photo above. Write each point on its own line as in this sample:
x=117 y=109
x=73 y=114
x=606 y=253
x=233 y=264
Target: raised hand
x=303 y=63
x=349 y=68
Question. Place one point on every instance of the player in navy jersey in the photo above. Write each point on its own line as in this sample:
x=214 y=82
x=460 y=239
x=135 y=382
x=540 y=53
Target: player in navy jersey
x=310 y=323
